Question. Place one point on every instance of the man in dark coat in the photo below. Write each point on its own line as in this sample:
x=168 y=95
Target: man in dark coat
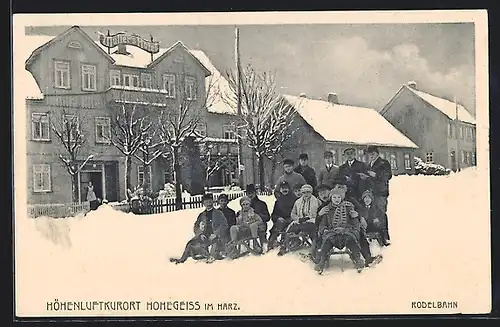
x=328 y=173
x=259 y=207
x=380 y=173
x=306 y=171
x=282 y=210
x=210 y=229
x=352 y=170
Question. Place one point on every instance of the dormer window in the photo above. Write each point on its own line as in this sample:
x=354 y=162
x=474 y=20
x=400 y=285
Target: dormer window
x=130 y=80
x=74 y=45
x=146 y=80
x=62 y=75
x=190 y=88
x=89 y=78
x=114 y=78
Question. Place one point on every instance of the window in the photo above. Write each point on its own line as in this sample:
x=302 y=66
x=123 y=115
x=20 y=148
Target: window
x=89 y=77
x=41 y=178
x=146 y=80
x=190 y=88
x=40 y=129
x=450 y=130
x=102 y=129
x=462 y=156
x=394 y=161
x=169 y=85
x=201 y=129
x=140 y=175
x=228 y=132
x=461 y=132
x=473 y=134
x=473 y=158
x=114 y=78
x=62 y=73
x=71 y=123
x=407 y=161
x=130 y=80
x=429 y=157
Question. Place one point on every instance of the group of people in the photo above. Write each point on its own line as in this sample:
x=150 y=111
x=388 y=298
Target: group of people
x=341 y=206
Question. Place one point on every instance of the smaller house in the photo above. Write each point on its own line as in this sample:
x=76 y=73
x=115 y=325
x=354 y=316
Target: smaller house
x=444 y=130
x=329 y=125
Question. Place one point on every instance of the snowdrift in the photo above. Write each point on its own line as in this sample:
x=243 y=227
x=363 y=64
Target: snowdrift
x=439 y=252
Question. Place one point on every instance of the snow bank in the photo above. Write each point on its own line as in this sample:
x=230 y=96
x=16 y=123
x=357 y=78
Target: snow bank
x=440 y=252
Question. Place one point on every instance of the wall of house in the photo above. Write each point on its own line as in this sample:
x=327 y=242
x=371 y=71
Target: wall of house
x=421 y=123
x=462 y=145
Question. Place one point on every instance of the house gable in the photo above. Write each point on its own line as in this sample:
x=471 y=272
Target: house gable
x=75 y=48
x=181 y=52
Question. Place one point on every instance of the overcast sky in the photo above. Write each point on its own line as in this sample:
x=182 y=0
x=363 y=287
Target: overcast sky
x=364 y=64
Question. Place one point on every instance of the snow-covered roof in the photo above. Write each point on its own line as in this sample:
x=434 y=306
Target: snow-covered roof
x=447 y=107
x=216 y=83
x=348 y=124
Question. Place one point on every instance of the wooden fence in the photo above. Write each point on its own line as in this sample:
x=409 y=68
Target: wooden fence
x=57 y=210
x=168 y=204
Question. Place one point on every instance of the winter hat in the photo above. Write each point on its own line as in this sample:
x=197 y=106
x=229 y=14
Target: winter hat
x=372 y=149
x=250 y=188
x=208 y=196
x=367 y=193
x=245 y=199
x=289 y=162
x=284 y=184
x=223 y=196
x=304 y=156
x=339 y=192
x=306 y=188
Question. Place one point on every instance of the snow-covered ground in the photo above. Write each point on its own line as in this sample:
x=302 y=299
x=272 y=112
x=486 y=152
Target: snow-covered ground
x=440 y=252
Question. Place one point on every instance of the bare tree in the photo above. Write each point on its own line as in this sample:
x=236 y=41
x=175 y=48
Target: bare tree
x=266 y=117
x=149 y=150
x=67 y=129
x=130 y=130
x=183 y=117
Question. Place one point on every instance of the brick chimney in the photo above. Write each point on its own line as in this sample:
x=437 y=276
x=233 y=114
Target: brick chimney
x=412 y=85
x=303 y=95
x=333 y=98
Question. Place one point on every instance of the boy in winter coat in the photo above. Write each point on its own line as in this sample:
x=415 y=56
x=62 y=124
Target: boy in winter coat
x=260 y=208
x=289 y=176
x=374 y=217
x=340 y=228
x=282 y=212
x=248 y=223
x=210 y=229
x=303 y=215
x=306 y=171
x=229 y=213
x=328 y=173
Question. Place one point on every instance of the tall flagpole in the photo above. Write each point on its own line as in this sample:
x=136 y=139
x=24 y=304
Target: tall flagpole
x=458 y=135
x=238 y=82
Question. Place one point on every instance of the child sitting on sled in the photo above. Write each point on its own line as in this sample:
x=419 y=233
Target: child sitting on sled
x=304 y=213
x=248 y=224
x=374 y=217
x=340 y=228
x=210 y=229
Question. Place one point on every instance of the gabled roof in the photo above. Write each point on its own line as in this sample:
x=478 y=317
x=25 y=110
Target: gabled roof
x=349 y=124
x=447 y=107
x=166 y=52
x=218 y=87
x=75 y=28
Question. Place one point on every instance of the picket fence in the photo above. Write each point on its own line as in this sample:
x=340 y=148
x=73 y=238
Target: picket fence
x=57 y=210
x=160 y=205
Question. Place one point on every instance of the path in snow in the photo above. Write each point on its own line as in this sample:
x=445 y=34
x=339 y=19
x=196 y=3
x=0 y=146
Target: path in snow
x=439 y=252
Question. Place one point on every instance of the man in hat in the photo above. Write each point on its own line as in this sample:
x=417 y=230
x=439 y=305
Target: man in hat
x=329 y=172
x=353 y=170
x=210 y=229
x=282 y=211
x=289 y=176
x=380 y=173
x=306 y=171
x=260 y=208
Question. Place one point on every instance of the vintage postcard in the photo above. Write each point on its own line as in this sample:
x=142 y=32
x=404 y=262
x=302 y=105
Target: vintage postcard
x=251 y=164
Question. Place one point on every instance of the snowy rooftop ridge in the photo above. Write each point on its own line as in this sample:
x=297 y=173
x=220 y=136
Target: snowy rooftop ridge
x=447 y=107
x=138 y=59
x=349 y=124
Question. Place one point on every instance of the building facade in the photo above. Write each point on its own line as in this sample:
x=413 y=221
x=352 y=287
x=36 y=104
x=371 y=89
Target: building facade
x=76 y=80
x=444 y=131
x=330 y=126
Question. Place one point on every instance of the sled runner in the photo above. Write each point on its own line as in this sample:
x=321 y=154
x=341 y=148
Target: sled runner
x=340 y=240
x=233 y=248
x=294 y=242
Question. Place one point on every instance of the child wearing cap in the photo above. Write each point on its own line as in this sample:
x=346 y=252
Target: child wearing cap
x=282 y=212
x=303 y=215
x=248 y=223
x=374 y=217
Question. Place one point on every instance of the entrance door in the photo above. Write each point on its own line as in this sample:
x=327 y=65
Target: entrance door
x=90 y=176
x=453 y=161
